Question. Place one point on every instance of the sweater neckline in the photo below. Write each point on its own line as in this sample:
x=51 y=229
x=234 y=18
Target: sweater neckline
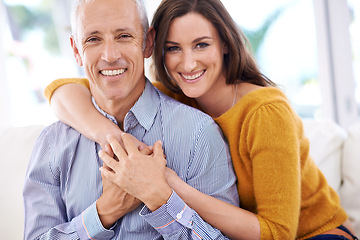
x=238 y=104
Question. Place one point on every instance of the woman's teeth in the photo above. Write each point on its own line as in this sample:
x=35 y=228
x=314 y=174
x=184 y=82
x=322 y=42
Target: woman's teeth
x=194 y=76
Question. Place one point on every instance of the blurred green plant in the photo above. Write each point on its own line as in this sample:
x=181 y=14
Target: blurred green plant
x=256 y=37
x=24 y=19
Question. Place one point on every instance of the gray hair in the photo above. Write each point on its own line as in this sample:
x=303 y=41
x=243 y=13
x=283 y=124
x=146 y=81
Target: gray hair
x=140 y=8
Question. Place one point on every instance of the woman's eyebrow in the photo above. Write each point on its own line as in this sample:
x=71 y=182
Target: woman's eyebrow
x=194 y=41
x=201 y=39
x=171 y=42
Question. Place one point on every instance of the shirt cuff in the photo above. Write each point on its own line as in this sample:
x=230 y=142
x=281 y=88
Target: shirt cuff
x=88 y=225
x=170 y=217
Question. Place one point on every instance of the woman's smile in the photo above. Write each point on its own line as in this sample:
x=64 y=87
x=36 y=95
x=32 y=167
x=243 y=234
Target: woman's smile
x=194 y=76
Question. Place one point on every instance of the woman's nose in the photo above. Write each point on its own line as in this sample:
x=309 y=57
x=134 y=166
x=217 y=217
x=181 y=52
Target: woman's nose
x=189 y=61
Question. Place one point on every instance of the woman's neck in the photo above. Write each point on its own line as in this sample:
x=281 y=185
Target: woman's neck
x=218 y=100
x=223 y=98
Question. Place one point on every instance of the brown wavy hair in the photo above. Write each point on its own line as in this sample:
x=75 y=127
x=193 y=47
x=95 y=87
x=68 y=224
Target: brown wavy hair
x=239 y=63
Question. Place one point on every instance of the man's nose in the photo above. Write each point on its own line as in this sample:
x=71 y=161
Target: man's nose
x=111 y=52
x=189 y=61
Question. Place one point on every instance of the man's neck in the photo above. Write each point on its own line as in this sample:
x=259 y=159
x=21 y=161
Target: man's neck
x=118 y=110
x=118 y=107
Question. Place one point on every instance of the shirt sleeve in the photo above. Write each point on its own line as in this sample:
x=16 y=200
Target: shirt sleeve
x=45 y=210
x=176 y=220
x=210 y=171
x=50 y=89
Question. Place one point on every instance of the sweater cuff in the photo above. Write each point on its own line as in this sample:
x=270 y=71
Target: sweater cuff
x=170 y=217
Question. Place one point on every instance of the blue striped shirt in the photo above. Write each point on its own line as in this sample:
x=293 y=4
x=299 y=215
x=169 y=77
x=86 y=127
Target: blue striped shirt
x=63 y=180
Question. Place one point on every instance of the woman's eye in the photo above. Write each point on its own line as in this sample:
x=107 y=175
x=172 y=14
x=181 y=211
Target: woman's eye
x=172 y=49
x=201 y=45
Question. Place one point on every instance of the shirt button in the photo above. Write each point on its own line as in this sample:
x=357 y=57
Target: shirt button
x=179 y=215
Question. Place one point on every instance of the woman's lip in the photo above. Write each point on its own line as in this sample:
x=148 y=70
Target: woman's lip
x=193 y=76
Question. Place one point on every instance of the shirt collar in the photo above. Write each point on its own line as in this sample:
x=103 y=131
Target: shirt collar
x=105 y=114
x=143 y=111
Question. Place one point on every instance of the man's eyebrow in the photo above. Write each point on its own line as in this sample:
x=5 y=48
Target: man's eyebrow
x=97 y=31
x=122 y=30
x=91 y=33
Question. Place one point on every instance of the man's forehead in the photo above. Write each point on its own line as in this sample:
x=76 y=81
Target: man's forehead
x=108 y=9
x=98 y=14
x=118 y=24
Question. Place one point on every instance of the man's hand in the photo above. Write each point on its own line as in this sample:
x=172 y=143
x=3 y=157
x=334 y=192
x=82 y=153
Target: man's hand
x=140 y=175
x=114 y=202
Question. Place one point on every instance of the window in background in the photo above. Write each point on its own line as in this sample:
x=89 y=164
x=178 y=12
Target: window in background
x=335 y=73
x=34 y=57
x=354 y=6
x=282 y=34
x=283 y=37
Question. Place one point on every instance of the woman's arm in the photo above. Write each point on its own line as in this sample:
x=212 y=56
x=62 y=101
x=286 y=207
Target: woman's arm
x=72 y=105
x=234 y=222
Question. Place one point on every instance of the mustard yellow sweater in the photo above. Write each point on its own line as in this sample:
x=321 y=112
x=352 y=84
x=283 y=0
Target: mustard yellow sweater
x=277 y=179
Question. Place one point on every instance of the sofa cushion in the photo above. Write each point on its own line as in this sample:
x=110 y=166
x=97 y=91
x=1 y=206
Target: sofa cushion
x=350 y=191
x=15 y=149
x=326 y=142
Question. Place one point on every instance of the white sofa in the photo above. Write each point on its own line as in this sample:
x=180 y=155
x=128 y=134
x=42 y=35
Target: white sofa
x=336 y=151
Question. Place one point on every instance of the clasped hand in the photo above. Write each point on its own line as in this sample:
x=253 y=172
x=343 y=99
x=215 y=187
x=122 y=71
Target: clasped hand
x=140 y=175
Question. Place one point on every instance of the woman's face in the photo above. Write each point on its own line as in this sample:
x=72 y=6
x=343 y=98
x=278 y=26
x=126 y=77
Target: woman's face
x=194 y=55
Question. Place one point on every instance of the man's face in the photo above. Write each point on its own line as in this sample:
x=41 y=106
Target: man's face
x=110 y=48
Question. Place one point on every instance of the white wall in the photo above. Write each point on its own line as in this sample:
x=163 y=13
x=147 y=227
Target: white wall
x=4 y=97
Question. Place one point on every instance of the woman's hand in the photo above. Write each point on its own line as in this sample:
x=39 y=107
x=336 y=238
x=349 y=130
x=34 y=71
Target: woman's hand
x=173 y=179
x=72 y=104
x=139 y=174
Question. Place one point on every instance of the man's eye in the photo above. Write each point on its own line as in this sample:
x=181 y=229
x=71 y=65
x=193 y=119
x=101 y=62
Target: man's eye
x=122 y=36
x=92 y=39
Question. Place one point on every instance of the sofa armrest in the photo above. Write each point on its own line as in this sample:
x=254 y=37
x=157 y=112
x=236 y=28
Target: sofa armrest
x=16 y=145
x=326 y=145
x=350 y=191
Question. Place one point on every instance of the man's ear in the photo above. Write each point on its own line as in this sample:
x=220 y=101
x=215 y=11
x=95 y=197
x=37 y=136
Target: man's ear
x=76 y=51
x=149 y=43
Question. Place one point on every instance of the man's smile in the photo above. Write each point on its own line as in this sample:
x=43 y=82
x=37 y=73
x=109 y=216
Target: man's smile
x=113 y=72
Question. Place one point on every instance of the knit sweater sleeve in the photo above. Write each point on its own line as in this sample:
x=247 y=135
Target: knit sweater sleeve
x=273 y=143
x=50 y=89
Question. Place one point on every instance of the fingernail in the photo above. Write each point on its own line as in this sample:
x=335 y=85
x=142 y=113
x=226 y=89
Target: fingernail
x=100 y=153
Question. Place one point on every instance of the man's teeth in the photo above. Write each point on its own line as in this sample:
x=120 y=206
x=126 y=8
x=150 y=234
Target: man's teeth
x=113 y=72
x=193 y=77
